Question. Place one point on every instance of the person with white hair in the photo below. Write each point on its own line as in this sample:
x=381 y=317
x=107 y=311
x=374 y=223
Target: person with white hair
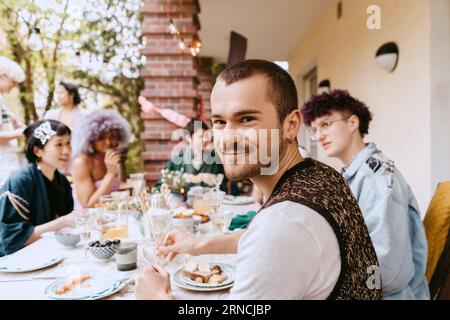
x=10 y=128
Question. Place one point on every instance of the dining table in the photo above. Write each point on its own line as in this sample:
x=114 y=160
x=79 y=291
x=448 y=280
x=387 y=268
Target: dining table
x=32 y=285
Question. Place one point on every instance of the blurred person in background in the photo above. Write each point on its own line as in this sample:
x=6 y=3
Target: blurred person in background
x=10 y=128
x=98 y=142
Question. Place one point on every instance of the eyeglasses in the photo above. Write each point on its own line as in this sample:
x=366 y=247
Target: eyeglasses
x=324 y=127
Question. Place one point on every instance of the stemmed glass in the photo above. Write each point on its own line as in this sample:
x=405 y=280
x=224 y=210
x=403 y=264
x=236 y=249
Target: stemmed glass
x=221 y=221
x=83 y=222
x=138 y=183
x=214 y=199
x=161 y=224
x=219 y=180
x=157 y=224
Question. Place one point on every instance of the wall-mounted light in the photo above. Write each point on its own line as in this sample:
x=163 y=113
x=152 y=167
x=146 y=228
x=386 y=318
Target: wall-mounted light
x=387 y=56
x=324 y=86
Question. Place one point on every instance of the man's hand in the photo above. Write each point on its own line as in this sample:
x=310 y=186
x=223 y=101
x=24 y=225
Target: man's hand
x=153 y=284
x=178 y=241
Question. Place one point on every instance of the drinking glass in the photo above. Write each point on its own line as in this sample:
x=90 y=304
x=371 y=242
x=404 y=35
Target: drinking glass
x=83 y=220
x=138 y=183
x=83 y=223
x=221 y=221
x=113 y=221
x=160 y=225
x=214 y=200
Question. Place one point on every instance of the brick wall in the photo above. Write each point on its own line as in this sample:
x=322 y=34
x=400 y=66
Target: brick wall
x=171 y=77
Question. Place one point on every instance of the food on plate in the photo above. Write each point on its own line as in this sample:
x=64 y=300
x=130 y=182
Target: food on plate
x=182 y=213
x=203 y=216
x=203 y=273
x=197 y=276
x=216 y=270
x=71 y=283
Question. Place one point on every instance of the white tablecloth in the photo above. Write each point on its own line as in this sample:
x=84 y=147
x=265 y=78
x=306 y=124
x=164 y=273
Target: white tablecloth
x=75 y=258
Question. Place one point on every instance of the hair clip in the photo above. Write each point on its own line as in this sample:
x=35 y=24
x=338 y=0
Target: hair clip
x=44 y=132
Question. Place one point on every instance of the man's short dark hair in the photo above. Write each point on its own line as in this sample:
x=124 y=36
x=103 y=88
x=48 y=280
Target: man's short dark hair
x=31 y=141
x=281 y=88
x=337 y=100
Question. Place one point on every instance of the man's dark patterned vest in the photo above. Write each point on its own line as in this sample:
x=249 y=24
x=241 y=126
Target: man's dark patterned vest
x=321 y=188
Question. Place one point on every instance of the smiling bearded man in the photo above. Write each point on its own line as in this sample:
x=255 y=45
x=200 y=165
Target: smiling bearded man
x=309 y=240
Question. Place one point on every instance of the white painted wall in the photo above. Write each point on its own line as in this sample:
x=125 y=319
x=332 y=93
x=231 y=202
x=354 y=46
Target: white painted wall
x=410 y=106
x=440 y=90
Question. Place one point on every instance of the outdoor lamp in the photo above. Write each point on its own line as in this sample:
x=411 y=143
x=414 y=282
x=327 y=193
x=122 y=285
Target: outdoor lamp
x=324 y=86
x=387 y=56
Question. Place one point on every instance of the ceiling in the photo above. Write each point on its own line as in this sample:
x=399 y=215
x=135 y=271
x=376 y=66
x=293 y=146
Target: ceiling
x=273 y=28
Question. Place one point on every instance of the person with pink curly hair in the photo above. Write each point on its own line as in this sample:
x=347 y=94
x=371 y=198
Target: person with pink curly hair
x=97 y=141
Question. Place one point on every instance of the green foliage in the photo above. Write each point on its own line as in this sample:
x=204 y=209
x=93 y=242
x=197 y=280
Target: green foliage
x=94 y=43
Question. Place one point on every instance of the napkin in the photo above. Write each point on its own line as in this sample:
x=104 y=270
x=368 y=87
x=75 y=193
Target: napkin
x=241 y=221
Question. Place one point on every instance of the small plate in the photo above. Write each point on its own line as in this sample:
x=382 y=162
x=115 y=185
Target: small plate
x=238 y=200
x=97 y=287
x=185 y=282
x=10 y=266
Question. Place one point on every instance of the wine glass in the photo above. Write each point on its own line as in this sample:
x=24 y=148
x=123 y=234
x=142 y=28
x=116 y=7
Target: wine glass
x=83 y=223
x=138 y=183
x=214 y=199
x=221 y=221
x=219 y=180
x=160 y=223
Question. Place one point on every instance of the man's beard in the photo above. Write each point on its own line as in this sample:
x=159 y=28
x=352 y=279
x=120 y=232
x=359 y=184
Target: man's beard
x=236 y=171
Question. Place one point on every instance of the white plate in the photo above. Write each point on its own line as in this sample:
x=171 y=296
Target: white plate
x=18 y=263
x=99 y=286
x=238 y=200
x=185 y=282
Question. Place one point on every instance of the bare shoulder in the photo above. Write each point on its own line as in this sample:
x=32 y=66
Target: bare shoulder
x=81 y=163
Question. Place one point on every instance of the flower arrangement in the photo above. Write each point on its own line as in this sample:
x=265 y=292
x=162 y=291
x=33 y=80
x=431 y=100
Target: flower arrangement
x=174 y=180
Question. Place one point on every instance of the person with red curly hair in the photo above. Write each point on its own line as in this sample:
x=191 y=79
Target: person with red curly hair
x=339 y=122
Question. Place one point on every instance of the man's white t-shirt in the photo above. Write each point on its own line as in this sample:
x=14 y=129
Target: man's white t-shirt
x=288 y=252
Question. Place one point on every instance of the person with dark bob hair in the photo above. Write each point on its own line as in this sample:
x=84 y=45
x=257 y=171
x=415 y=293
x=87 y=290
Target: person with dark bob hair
x=339 y=122
x=68 y=97
x=37 y=198
x=197 y=159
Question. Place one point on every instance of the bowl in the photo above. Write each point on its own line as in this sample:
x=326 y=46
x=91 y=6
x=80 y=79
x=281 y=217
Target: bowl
x=103 y=250
x=69 y=240
x=102 y=253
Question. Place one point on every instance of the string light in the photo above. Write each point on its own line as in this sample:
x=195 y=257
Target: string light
x=34 y=41
x=194 y=47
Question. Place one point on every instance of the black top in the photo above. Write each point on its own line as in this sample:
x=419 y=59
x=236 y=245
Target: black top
x=28 y=199
x=56 y=196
